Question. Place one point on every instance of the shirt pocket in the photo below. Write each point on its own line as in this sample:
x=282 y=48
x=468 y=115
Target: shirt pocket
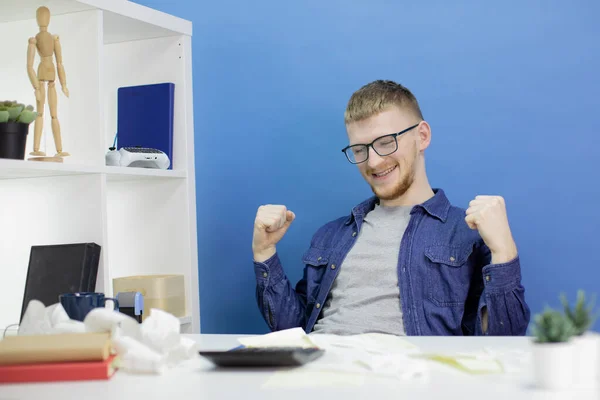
x=448 y=274
x=315 y=260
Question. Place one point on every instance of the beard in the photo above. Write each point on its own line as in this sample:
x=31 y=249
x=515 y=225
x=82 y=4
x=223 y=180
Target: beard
x=399 y=188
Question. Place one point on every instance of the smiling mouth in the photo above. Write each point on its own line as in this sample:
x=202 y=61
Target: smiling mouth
x=384 y=173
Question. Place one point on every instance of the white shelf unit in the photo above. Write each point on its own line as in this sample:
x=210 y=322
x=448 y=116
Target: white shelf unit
x=144 y=219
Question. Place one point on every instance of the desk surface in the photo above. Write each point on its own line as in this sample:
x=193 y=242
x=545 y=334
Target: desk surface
x=198 y=379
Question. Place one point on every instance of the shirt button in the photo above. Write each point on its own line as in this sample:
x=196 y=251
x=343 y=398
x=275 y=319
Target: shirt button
x=487 y=278
x=403 y=269
x=319 y=259
x=452 y=258
x=332 y=266
x=318 y=305
x=265 y=274
x=353 y=234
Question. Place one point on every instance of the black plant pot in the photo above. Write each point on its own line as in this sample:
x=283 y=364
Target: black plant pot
x=13 y=139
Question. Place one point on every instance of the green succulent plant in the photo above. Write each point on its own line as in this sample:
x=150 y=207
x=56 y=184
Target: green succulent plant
x=552 y=326
x=12 y=111
x=582 y=316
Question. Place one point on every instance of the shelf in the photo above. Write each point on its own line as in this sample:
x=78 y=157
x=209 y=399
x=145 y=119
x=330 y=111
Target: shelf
x=19 y=169
x=144 y=219
x=123 y=20
x=125 y=173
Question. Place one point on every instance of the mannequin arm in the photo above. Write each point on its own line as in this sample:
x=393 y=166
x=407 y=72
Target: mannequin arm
x=30 y=58
x=62 y=77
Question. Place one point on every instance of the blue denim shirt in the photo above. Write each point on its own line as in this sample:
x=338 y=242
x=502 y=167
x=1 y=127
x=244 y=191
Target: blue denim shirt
x=444 y=273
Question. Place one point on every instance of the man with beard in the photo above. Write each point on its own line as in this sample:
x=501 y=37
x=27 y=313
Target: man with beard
x=403 y=262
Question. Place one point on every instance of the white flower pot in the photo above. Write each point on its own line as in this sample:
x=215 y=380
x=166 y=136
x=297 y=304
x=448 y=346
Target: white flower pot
x=553 y=365
x=586 y=357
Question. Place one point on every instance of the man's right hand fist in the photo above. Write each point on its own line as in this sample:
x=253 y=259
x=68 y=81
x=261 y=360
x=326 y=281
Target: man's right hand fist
x=271 y=223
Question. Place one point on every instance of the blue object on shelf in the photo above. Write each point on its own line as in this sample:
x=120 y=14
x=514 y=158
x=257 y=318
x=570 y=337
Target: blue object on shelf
x=132 y=304
x=145 y=117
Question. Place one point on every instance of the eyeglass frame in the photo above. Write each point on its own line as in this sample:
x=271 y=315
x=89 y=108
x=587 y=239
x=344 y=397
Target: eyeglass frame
x=394 y=135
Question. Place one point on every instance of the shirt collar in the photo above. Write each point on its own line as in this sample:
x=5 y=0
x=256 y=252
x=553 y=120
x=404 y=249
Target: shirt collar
x=437 y=206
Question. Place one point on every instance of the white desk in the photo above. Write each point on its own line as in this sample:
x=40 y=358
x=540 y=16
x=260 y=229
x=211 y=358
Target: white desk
x=198 y=379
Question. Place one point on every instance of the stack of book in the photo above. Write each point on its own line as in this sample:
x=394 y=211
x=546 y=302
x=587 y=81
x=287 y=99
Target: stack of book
x=58 y=357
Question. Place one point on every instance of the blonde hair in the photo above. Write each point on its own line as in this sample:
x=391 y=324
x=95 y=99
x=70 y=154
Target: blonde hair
x=379 y=96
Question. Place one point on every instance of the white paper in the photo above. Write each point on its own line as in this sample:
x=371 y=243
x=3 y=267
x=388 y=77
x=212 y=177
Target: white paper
x=347 y=357
x=36 y=319
x=295 y=337
x=135 y=356
x=375 y=343
x=479 y=364
x=69 y=326
x=160 y=331
x=514 y=361
x=105 y=320
x=151 y=347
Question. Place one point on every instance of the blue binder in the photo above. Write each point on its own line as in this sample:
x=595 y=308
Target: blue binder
x=145 y=117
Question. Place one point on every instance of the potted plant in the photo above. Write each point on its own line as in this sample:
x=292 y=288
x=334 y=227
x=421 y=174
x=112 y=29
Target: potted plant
x=553 y=350
x=14 y=127
x=586 y=351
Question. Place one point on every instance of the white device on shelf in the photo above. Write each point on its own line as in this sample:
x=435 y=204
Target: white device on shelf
x=141 y=157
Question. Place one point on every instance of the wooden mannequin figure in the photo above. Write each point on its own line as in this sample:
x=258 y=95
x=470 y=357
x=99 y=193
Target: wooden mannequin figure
x=47 y=46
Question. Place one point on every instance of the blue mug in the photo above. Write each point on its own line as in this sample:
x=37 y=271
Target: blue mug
x=78 y=305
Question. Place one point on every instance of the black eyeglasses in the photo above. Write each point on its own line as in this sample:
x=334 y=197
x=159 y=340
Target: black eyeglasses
x=383 y=145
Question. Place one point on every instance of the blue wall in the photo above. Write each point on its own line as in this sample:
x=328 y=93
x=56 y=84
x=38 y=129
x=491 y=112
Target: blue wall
x=510 y=89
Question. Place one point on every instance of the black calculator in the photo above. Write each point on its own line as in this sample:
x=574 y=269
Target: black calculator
x=263 y=356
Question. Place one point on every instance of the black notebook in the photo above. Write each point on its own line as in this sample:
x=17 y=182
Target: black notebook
x=61 y=268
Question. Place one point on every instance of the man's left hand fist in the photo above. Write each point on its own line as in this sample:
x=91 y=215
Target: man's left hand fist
x=487 y=214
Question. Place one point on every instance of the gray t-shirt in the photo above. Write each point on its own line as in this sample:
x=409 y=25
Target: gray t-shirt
x=365 y=296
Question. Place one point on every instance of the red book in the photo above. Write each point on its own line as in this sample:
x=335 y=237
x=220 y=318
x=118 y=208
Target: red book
x=58 y=371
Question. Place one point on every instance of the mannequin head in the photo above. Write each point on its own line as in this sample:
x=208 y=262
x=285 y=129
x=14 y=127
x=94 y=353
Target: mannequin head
x=43 y=17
